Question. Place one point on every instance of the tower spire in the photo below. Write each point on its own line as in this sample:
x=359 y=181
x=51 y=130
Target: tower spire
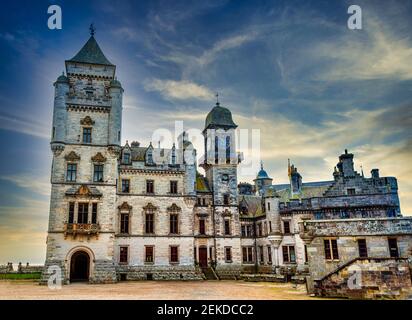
x=289 y=171
x=217 y=98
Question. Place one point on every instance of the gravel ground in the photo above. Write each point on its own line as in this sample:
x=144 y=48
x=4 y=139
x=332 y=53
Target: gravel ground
x=155 y=290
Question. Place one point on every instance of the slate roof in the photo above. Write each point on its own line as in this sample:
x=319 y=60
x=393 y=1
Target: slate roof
x=219 y=117
x=309 y=190
x=91 y=53
x=253 y=204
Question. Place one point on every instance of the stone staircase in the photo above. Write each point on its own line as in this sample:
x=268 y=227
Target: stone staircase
x=209 y=274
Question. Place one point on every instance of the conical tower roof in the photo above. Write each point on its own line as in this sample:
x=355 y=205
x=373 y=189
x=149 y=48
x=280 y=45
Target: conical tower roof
x=91 y=53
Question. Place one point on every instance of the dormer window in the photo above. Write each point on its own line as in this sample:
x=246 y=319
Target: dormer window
x=126 y=158
x=149 y=155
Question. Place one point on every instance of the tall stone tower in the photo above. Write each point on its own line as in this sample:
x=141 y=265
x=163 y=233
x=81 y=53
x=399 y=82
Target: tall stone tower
x=220 y=164
x=85 y=142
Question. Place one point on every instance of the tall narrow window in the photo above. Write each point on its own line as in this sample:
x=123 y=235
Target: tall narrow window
x=149 y=223
x=83 y=212
x=71 y=212
x=94 y=213
x=227 y=227
x=174 y=254
x=286 y=227
x=363 y=250
x=124 y=254
x=331 y=249
x=149 y=256
x=270 y=226
x=71 y=172
x=126 y=158
x=125 y=185
x=173 y=187
x=227 y=149
x=149 y=186
x=243 y=231
x=306 y=253
x=202 y=229
x=124 y=223
x=269 y=254
x=174 y=224
x=228 y=254
x=247 y=254
x=268 y=206
x=288 y=253
x=98 y=173
x=216 y=149
x=226 y=199
x=87 y=135
x=393 y=247
x=261 y=254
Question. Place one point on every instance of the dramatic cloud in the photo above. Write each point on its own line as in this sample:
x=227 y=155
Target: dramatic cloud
x=181 y=90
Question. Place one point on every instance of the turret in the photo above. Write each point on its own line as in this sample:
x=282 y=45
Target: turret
x=345 y=165
x=262 y=180
x=115 y=119
x=61 y=90
x=295 y=180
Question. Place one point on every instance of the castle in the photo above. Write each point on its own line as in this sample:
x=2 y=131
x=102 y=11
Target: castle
x=136 y=212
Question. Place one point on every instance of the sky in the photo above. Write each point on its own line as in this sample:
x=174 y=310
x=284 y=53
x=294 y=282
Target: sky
x=291 y=69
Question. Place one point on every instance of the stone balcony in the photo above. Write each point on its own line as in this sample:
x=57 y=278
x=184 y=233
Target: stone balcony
x=310 y=229
x=87 y=229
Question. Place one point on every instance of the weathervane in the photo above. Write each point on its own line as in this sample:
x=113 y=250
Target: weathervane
x=217 y=98
x=92 y=30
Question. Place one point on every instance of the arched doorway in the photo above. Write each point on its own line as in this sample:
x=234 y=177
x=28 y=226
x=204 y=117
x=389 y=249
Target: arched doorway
x=79 y=267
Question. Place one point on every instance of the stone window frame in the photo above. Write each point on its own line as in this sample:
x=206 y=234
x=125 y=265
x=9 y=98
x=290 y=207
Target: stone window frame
x=289 y=260
x=120 y=254
x=170 y=254
x=204 y=220
x=331 y=241
x=174 y=210
x=125 y=208
x=230 y=254
x=149 y=209
x=289 y=223
x=227 y=220
x=269 y=254
x=72 y=158
x=121 y=185
x=147 y=186
x=366 y=251
x=153 y=254
x=171 y=182
x=252 y=253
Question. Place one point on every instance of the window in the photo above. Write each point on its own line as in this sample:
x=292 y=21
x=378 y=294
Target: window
x=203 y=201
x=149 y=256
x=216 y=149
x=87 y=135
x=269 y=254
x=331 y=249
x=149 y=223
x=306 y=254
x=124 y=223
x=98 y=173
x=393 y=247
x=243 y=231
x=174 y=223
x=124 y=254
x=149 y=186
x=226 y=199
x=227 y=227
x=228 y=254
x=286 y=227
x=270 y=226
x=71 y=212
x=268 y=206
x=319 y=215
x=174 y=254
x=125 y=185
x=363 y=250
x=225 y=178
x=94 y=213
x=260 y=230
x=227 y=149
x=351 y=191
x=54 y=132
x=391 y=213
x=149 y=157
x=71 y=172
x=265 y=227
x=261 y=254
x=247 y=254
x=288 y=254
x=126 y=158
x=173 y=187
x=83 y=212
x=202 y=228
x=249 y=231
x=344 y=215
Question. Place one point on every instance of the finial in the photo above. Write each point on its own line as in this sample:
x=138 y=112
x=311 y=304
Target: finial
x=261 y=164
x=346 y=151
x=92 y=30
x=63 y=73
x=217 y=98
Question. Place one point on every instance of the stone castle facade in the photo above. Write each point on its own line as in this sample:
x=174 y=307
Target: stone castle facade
x=137 y=212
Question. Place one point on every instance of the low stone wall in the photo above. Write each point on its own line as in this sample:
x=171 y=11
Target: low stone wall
x=263 y=277
x=368 y=278
x=228 y=272
x=158 y=273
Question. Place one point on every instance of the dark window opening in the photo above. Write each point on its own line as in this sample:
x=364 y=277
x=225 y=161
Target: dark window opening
x=228 y=254
x=202 y=228
x=124 y=223
x=174 y=224
x=125 y=185
x=71 y=172
x=149 y=223
x=227 y=227
x=98 y=173
x=363 y=250
x=87 y=135
x=331 y=249
x=94 y=213
x=149 y=257
x=173 y=187
x=286 y=227
x=228 y=149
x=226 y=199
x=393 y=248
x=83 y=212
x=247 y=254
x=123 y=254
x=174 y=254
x=149 y=186
x=288 y=253
x=71 y=212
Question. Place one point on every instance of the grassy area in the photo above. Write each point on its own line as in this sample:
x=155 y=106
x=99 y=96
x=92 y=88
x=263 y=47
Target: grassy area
x=20 y=276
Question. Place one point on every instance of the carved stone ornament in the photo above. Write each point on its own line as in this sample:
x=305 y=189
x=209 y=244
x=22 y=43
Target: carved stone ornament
x=174 y=207
x=98 y=158
x=149 y=207
x=87 y=121
x=72 y=156
x=125 y=207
